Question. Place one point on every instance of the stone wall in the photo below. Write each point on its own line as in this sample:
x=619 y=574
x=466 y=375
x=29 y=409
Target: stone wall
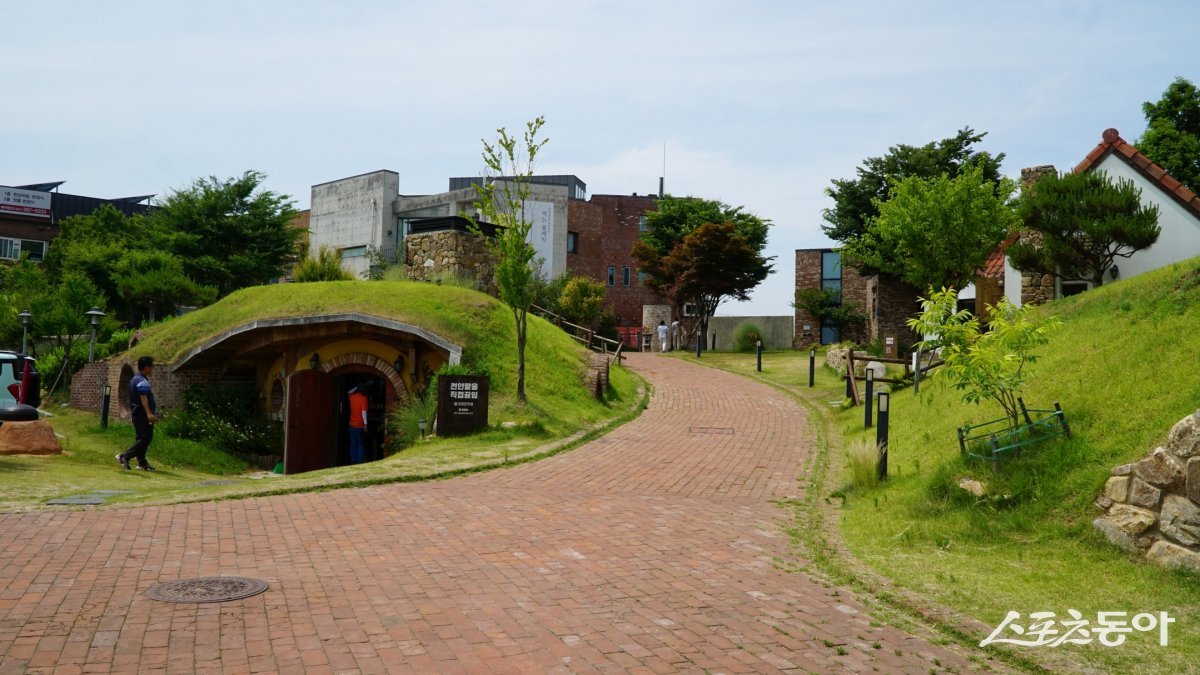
x=1036 y=289
x=431 y=255
x=1153 y=505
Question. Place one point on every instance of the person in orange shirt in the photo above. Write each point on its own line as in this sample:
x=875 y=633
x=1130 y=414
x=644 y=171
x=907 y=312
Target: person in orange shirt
x=358 y=424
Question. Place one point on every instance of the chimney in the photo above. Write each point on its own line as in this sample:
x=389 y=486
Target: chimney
x=661 y=180
x=1032 y=174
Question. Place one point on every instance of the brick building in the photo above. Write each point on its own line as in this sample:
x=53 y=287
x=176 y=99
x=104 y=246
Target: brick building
x=601 y=233
x=887 y=303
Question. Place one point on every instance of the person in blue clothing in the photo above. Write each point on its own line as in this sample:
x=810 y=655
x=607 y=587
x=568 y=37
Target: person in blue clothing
x=144 y=411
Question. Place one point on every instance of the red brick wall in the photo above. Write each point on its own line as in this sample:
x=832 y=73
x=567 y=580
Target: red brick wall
x=808 y=275
x=606 y=227
x=87 y=386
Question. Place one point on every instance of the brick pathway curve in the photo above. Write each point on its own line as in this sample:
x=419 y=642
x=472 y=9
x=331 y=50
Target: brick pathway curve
x=650 y=550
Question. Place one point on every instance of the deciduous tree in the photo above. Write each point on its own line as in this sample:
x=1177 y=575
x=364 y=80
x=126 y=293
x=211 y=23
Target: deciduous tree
x=1172 y=138
x=935 y=232
x=502 y=202
x=857 y=200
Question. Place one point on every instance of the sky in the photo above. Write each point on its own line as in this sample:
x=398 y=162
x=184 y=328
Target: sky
x=758 y=104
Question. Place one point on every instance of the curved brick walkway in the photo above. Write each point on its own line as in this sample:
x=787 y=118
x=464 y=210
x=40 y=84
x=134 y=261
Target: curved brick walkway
x=648 y=550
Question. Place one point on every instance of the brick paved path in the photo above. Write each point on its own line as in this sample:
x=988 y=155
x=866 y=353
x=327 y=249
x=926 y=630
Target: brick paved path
x=650 y=550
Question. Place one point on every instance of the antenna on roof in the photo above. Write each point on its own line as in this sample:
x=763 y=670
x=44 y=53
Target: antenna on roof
x=663 y=178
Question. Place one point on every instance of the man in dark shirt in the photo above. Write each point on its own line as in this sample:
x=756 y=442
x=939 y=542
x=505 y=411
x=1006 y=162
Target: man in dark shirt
x=144 y=411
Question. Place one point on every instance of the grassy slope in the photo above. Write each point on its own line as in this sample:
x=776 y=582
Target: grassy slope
x=1124 y=368
x=558 y=402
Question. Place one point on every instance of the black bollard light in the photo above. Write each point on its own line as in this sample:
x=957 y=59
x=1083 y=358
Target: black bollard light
x=917 y=372
x=758 y=354
x=870 y=397
x=104 y=407
x=812 y=366
x=699 y=343
x=881 y=434
x=714 y=342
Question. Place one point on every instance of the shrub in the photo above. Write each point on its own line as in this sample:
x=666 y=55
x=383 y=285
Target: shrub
x=404 y=422
x=745 y=337
x=325 y=266
x=226 y=416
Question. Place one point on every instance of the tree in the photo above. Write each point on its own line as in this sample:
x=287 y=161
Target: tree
x=502 y=203
x=672 y=223
x=230 y=233
x=989 y=365
x=712 y=263
x=936 y=232
x=326 y=265
x=1172 y=137
x=827 y=306
x=857 y=200
x=581 y=300
x=153 y=282
x=1080 y=223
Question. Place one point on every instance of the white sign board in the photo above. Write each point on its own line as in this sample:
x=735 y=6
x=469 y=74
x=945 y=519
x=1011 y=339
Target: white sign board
x=541 y=235
x=24 y=202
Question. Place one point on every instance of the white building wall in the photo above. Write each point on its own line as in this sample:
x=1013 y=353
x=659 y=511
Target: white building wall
x=1180 y=238
x=352 y=213
x=1012 y=283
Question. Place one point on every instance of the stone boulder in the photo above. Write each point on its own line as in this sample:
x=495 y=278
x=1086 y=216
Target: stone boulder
x=1131 y=519
x=1115 y=535
x=28 y=438
x=1161 y=468
x=1180 y=520
x=1144 y=494
x=1169 y=555
x=1184 y=439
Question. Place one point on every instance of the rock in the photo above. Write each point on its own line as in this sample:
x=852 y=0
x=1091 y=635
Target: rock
x=1171 y=555
x=1193 y=479
x=1184 y=439
x=1115 y=534
x=973 y=486
x=878 y=370
x=1131 y=519
x=1144 y=494
x=1117 y=488
x=28 y=438
x=1102 y=502
x=1123 y=469
x=1180 y=520
x=1161 y=468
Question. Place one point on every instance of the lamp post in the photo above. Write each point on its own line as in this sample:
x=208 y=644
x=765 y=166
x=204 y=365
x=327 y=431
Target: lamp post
x=812 y=365
x=881 y=435
x=25 y=317
x=94 y=314
x=870 y=397
x=758 y=354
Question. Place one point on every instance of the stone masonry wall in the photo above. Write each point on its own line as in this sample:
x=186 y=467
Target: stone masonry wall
x=430 y=255
x=1154 y=505
x=1036 y=289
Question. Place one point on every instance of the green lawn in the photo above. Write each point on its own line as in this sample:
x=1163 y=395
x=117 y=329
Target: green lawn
x=558 y=415
x=1123 y=368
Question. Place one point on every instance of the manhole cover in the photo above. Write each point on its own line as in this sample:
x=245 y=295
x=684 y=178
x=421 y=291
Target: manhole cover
x=722 y=431
x=78 y=500
x=206 y=589
x=207 y=483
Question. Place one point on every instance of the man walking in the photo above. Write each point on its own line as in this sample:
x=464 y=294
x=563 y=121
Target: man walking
x=662 y=336
x=358 y=424
x=145 y=414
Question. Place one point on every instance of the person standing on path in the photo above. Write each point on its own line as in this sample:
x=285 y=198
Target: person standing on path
x=145 y=414
x=675 y=333
x=662 y=336
x=358 y=424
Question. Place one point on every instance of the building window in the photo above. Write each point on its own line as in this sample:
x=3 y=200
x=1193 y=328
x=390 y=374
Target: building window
x=1068 y=288
x=354 y=252
x=642 y=224
x=831 y=272
x=11 y=249
x=625 y=275
x=612 y=276
x=689 y=309
x=572 y=242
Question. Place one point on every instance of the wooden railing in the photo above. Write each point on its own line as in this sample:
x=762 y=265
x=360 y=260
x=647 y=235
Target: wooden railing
x=586 y=336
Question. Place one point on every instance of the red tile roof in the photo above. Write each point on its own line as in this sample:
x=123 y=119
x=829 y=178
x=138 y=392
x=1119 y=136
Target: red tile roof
x=1111 y=143
x=993 y=265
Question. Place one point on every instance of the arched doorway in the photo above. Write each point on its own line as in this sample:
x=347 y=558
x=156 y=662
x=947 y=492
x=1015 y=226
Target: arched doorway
x=380 y=395
x=123 y=392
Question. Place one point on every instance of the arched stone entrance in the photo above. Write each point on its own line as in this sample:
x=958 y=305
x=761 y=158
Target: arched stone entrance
x=342 y=364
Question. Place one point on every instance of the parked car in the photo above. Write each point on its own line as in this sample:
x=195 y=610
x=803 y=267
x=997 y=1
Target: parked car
x=19 y=380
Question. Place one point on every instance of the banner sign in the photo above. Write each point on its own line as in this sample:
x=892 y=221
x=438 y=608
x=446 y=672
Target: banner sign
x=24 y=202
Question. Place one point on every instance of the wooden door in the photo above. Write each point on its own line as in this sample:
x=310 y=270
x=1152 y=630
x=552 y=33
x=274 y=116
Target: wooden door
x=311 y=412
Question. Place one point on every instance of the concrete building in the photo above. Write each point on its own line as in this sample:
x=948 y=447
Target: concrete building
x=571 y=234
x=30 y=215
